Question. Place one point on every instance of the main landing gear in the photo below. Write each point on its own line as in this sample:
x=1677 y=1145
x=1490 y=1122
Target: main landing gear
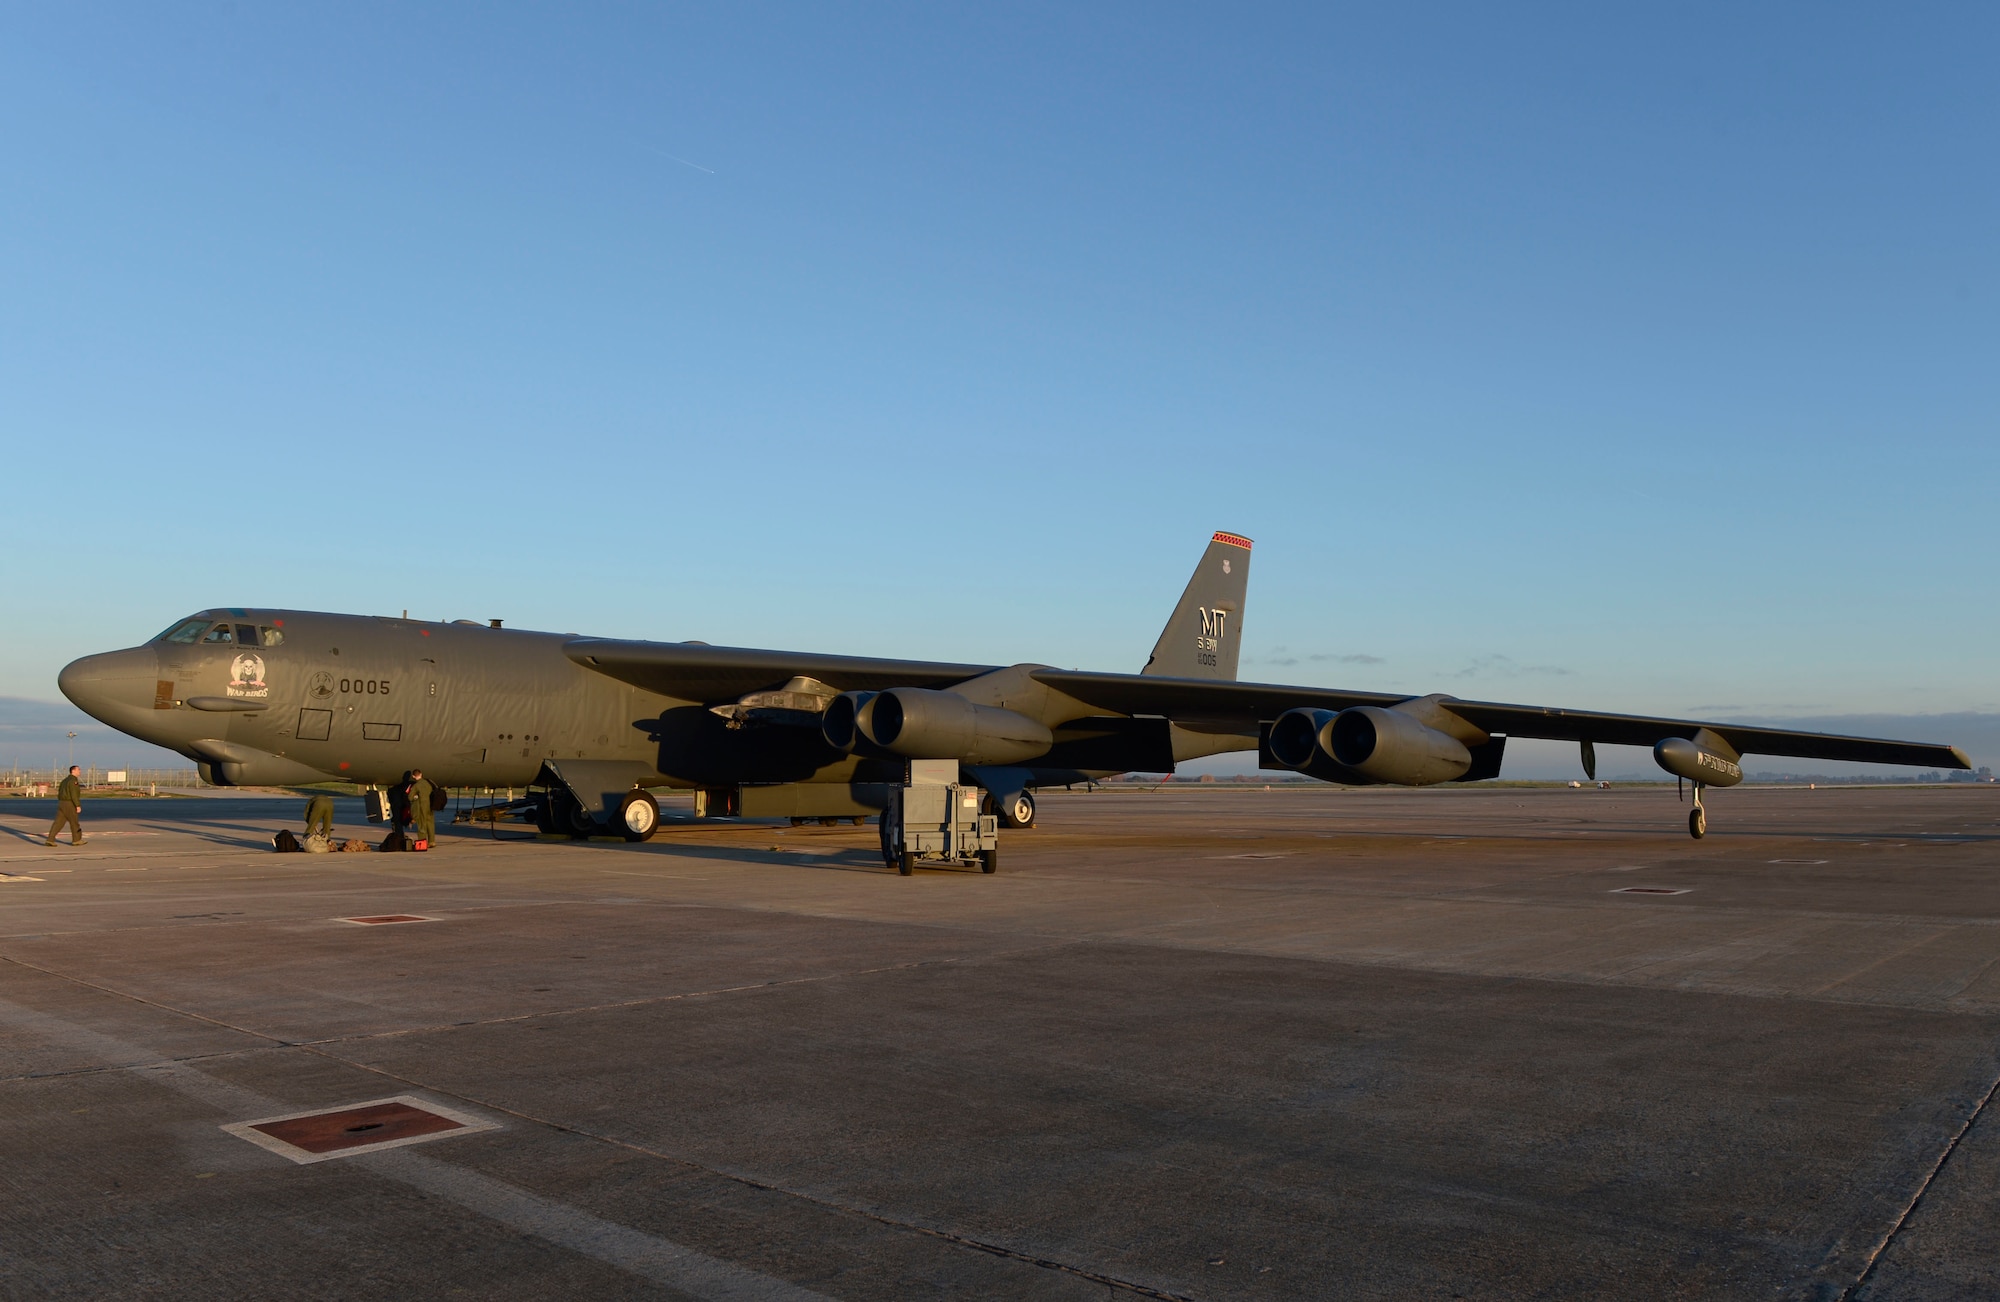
x=638 y=816
x=1017 y=810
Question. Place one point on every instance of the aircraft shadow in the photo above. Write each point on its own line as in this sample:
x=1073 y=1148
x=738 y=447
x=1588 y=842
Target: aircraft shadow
x=847 y=860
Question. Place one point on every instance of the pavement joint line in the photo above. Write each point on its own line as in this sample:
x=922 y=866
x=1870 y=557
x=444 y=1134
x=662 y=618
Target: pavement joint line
x=280 y=1042
x=1923 y=1187
x=634 y=1251
x=752 y=1182
x=320 y=1048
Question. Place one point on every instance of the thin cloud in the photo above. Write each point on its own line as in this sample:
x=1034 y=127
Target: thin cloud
x=1283 y=656
x=1499 y=666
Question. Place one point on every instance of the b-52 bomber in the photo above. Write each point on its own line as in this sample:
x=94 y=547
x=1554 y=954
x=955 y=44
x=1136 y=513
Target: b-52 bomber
x=590 y=727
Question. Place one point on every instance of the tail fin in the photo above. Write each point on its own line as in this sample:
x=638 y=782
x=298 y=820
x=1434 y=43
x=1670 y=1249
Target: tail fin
x=1202 y=638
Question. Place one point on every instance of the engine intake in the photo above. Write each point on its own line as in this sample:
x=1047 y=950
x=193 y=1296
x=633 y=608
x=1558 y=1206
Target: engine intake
x=839 y=722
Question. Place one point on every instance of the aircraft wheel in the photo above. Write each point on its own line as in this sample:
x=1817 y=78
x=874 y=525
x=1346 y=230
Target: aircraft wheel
x=638 y=816
x=797 y=821
x=906 y=863
x=1018 y=810
x=570 y=817
x=989 y=861
x=1697 y=823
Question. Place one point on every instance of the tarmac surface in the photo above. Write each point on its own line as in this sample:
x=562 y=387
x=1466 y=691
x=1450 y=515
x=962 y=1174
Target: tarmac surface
x=1191 y=1044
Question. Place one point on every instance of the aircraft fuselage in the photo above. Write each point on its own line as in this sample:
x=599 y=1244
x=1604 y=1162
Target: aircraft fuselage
x=366 y=698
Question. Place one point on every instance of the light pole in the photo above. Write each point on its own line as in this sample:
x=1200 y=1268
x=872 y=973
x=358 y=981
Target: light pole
x=72 y=752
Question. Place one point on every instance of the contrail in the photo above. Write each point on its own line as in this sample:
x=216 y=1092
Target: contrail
x=684 y=162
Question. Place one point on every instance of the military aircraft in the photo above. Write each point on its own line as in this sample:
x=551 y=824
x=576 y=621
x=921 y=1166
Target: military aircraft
x=590 y=726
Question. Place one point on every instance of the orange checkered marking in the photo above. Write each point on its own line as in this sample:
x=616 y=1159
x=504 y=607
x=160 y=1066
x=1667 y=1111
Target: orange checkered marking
x=1234 y=540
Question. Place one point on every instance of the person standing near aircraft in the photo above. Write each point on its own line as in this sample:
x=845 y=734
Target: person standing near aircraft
x=319 y=815
x=420 y=808
x=69 y=808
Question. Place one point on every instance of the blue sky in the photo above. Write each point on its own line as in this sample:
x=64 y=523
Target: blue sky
x=1561 y=354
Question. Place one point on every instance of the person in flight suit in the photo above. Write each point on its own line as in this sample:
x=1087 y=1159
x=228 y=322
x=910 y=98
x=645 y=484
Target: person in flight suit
x=69 y=804
x=420 y=808
x=319 y=815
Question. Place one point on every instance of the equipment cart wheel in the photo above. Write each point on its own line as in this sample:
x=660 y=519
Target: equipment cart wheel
x=906 y=863
x=1697 y=823
x=989 y=861
x=638 y=816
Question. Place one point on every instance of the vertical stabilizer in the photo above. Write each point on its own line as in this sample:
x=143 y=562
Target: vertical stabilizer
x=1202 y=638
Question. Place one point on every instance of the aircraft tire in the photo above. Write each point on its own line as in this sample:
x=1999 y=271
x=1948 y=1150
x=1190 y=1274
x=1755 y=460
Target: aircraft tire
x=638 y=816
x=569 y=817
x=989 y=861
x=1018 y=810
x=1697 y=823
x=906 y=863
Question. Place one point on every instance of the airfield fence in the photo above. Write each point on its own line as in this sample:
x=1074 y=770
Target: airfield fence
x=23 y=780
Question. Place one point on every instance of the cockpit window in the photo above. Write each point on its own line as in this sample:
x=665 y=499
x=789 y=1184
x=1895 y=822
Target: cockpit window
x=271 y=636
x=246 y=635
x=220 y=633
x=186 y=631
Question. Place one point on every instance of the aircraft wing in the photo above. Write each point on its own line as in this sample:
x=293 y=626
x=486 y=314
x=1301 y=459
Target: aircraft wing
x=692 y=671
x=696 y=672
x=1202 y=700
x=1210 y=705
x=1641 y=730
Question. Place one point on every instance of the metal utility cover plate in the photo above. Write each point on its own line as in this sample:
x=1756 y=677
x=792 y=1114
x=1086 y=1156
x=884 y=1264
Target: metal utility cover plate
x=367 y=1127
x=381 y=919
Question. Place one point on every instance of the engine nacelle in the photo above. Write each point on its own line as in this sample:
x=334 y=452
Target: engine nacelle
x=1295 y=737
x=840 y=723
x=1392 y=746
x=920 y=724
x=1369 y=744
x=1706 y=759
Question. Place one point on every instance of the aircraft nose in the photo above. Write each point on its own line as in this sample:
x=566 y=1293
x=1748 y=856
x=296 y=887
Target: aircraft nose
x=101 y=685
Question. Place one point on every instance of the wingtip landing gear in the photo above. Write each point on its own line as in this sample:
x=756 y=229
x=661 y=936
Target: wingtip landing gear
x=1697 y=817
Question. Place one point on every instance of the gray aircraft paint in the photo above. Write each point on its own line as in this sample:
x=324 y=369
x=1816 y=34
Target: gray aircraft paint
x=1202 y=638
x=365 y=698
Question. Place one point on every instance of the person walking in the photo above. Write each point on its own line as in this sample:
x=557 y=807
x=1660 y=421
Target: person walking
x=319 y=815
x=420 y=808
x=69 y=807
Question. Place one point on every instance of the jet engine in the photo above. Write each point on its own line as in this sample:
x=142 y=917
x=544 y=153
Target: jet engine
x=839 y=724
x=1371 y=743
x=920 y=724
x=1390 y=746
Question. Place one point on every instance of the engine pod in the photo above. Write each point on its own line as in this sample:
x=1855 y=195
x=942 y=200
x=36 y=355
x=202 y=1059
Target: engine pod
x=921 y=724
x=1390 y=745
x=839 y=724
x=1295 y=737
